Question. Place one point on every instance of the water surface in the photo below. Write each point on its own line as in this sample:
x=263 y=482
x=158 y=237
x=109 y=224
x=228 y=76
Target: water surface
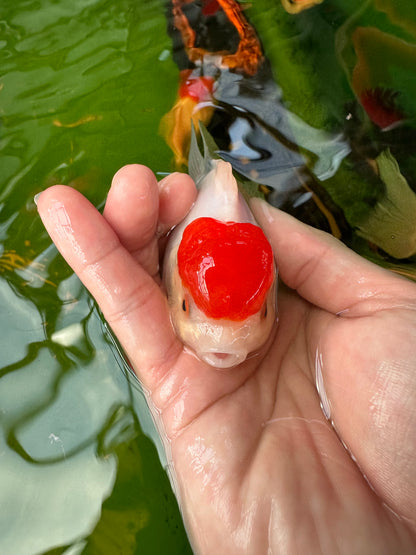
x=83 y=88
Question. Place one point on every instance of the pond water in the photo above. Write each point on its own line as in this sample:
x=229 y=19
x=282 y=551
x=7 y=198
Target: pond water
x=325 y=123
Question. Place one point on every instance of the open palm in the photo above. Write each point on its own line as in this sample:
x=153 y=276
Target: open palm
x=308 y=448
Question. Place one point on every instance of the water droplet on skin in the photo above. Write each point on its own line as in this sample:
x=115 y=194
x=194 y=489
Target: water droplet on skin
x=319 y=380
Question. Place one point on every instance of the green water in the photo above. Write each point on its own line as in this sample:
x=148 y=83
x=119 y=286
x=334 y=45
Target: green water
x=83 y=87
x=82 y=91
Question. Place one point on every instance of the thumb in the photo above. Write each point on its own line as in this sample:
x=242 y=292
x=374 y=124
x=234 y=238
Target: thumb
x=323 y=270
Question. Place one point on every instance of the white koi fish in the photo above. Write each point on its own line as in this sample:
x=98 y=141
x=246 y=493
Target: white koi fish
x=219 y=270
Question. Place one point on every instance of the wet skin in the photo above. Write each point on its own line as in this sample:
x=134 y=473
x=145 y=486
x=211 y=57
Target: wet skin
x=257 y=467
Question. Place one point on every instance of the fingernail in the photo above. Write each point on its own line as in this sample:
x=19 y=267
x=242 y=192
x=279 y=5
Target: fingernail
x=36 y=198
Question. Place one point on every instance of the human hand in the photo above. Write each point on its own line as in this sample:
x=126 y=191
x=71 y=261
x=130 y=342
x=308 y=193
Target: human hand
x=257 y=467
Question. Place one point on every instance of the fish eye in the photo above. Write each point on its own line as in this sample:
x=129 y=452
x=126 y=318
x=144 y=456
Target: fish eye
x=265 y=310
x=185 y=306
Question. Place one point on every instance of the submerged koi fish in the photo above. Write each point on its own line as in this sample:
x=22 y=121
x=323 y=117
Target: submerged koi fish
x=219 y=270
x=296 y=6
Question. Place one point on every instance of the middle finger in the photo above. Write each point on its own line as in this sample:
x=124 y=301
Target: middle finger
x=132 y=209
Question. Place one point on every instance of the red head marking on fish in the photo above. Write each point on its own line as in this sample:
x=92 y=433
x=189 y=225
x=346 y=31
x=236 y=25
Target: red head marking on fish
x=380 y=105
x=227 y=267
x=197 y=87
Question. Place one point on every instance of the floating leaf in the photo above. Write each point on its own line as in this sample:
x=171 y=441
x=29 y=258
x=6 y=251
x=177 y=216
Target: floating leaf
x=391 y=225
x=296 y=6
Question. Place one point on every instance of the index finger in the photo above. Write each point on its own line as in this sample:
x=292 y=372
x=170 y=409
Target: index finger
x=130 y=299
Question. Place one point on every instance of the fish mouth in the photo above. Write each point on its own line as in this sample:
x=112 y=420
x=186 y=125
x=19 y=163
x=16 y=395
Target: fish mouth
x=223 y=359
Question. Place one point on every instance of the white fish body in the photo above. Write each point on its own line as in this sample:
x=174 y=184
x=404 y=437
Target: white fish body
x=223 y=342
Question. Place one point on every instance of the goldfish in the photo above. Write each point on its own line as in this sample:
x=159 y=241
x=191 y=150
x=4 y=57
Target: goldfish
x=219 y=271
x=380 y=105
x=194 y=104
x=381 y=59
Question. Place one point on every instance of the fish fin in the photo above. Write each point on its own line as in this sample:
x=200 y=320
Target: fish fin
x=199 y=164
x=248 y=187
x=209 y=145
x=196 y=162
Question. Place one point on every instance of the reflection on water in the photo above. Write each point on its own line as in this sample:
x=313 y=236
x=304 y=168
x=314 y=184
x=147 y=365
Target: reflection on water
x=79 y=472
x=330 y=99
x=71 y=440
x=323 y=115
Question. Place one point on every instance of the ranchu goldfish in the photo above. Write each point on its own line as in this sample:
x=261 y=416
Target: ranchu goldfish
x=219 y=270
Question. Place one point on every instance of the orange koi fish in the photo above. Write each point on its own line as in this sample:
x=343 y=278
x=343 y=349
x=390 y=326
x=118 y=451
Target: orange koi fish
x=194 y=104
x=201 y=68
x=248 y=55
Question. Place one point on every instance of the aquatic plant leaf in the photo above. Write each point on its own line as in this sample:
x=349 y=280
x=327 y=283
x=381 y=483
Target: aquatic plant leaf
x=296 y=6
x=391 y=224
x=400 y=12
x=31 y=271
